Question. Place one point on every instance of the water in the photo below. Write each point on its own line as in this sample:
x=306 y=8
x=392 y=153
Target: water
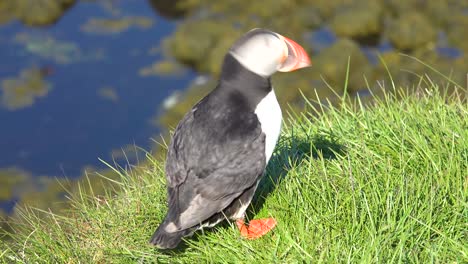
x=97 y=101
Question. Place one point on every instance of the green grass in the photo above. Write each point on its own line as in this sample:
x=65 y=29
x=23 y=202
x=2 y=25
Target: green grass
x=386 y=183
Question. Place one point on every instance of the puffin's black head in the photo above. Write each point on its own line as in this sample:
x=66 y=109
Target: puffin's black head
x=265 y=52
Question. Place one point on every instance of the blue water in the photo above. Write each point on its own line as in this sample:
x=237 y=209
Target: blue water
x=72 y=125
x=321 y=38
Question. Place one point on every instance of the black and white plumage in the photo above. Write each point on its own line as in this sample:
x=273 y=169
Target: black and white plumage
x=220 y=148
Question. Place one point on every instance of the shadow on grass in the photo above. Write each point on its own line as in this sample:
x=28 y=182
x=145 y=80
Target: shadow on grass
x=290 y=154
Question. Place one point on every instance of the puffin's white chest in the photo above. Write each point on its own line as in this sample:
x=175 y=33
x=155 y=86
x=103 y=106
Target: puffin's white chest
x=269 y=114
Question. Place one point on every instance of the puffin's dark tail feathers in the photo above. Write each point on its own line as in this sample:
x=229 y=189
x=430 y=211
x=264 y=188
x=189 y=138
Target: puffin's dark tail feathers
x=166 y=240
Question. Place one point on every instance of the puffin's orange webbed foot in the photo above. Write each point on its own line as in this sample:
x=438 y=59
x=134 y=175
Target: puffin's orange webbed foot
x=256 y=228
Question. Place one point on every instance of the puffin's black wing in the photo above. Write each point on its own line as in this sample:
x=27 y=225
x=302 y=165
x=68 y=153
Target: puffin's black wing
x=217 y=152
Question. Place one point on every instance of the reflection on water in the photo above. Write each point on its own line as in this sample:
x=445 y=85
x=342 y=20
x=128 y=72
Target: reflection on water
x=113 y=64
x=108 y=93
x=99 y=101
x=76 y=90
x=20 y=92
x=116 y=25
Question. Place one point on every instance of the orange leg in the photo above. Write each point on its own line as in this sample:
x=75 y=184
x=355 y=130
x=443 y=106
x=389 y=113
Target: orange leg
x=256 y=228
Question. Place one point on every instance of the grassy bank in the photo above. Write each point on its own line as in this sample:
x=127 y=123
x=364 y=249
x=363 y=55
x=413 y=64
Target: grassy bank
x=385 y=183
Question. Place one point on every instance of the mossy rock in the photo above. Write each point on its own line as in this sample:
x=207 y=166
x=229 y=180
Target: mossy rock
x=194 y=42
x=409 y=72
x=217 y=53
x=454 y=69
x=22 y=91
x=7 y=11
x=41 y=12
x=326 y=8
x=358 y=21
x=332 y=62
x=458 y=32
x=397 y=7
x=171 y=8
x=288 y=87
x=410 y=31
x=439 y=12
x=309 y=17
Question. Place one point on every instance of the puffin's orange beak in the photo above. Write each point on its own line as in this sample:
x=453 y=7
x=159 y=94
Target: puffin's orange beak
x=295 y=56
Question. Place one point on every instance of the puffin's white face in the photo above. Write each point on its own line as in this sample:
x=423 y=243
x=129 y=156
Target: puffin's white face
x=265 y=52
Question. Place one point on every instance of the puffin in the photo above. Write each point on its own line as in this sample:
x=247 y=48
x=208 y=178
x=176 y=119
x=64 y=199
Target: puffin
x=220 y=148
